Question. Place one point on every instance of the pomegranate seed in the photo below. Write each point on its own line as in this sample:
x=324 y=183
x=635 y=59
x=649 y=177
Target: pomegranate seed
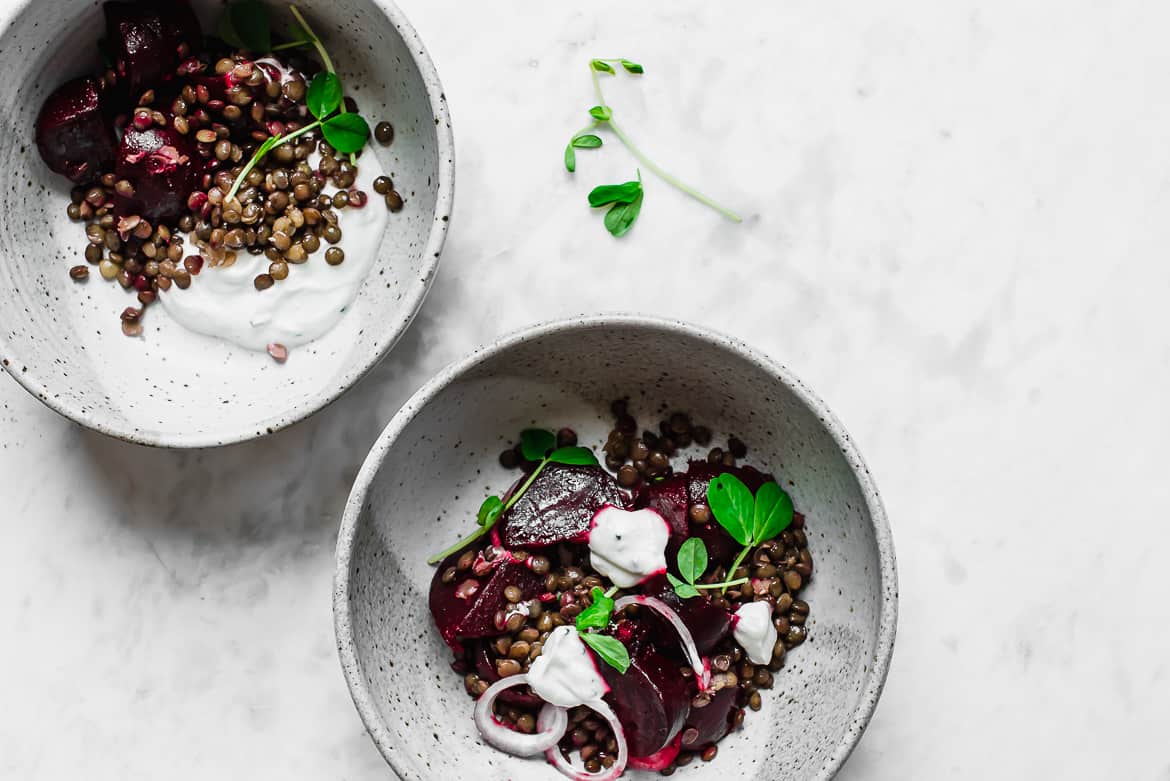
x=280 y=354
x=357 y=198
x=142 y=120
x=141 y=282
x=196 y=200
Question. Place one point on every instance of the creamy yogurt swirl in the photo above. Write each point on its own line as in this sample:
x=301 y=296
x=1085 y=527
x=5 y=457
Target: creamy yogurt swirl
x=755 y=631
x=564 y=674
x=224 y=302
x=628 y=546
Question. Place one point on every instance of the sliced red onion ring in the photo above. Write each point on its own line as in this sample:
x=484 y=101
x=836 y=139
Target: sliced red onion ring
x=551 y=725
x=702 y=672
x=623 y=752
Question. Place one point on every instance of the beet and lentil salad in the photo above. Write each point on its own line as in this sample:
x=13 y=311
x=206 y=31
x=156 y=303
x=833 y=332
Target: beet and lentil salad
x=190 y=152
x=623 y=621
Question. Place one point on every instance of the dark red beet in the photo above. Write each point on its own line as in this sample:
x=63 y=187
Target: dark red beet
x=669 y=498
x=559 y=506
x=661 y=759
x=467 y=606
x=163 y=166
x=701 y=473
x=710 y=723
x=708 y=623
x=73 y=136
x=144 y=39
x=652 y=700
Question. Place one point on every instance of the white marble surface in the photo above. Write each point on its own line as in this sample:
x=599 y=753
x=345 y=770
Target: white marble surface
x=955 y=232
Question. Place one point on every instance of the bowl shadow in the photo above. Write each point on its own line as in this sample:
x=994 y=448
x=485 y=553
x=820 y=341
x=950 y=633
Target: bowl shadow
x=287 y=486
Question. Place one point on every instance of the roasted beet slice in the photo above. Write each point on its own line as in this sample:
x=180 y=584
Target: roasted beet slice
x=708 y=623
x=652 y=700
x=669 y=499
x=146 y=40
x=467 y=606
x=73 y=136
x=701 y=473
x=559 y=506
x=163 y=166
x=711 y=722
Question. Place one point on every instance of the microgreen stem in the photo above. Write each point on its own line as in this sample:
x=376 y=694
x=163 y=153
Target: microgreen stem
x=583 y=131
x=291 y=45
x=612 y=590
x=316 y=41
x=650 y=164
x=281 y=140
x=738 y=560
x=481 y=531
x=725 y=585
x=325 y=60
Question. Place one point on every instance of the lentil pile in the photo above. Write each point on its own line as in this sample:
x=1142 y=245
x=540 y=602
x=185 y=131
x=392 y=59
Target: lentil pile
x=777 y=570
x=156 y=142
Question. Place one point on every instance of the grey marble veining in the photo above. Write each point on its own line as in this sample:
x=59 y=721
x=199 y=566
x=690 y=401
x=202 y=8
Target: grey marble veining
x=953 y=233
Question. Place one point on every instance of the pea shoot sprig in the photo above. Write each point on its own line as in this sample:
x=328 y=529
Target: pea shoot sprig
x=750 y=520
x=247 y=24
x=537 y=445
x=692 y=563
x=597 y=617
x=624 y=200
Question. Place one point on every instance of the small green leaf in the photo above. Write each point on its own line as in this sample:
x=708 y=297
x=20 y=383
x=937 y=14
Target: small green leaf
x=597 y=615
x=692 y=559
x=632 y=67
x=601 y=66
x=684 y=590
x=620 y=218
x=773 y=512
x=249 y=21
x=601 y=113
x=733 y=506
x=577 y=456
x=588 y=141
x=489 y=511
x=536 y=442
x=570 y=159
x=347 y=133
x=610 y=649
x=324 y=95
x=606 y=194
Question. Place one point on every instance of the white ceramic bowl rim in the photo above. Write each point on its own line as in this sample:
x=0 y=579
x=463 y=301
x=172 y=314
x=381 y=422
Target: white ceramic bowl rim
x=445 y=152
x=888 y=613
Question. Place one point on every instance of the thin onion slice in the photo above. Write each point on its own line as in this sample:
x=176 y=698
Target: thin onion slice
x=551 y=727
x=608 y=774
x=702 y=672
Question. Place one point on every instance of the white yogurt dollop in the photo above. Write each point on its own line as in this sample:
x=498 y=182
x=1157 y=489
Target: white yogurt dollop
x=755 y=632
x=628 y=546
x=224 y=302
x=564 y=674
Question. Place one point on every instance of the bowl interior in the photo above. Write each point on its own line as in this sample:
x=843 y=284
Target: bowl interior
x=438 y=467
x=63 y=340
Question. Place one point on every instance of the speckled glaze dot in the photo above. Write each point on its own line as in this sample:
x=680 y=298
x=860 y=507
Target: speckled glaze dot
x=426 y=476
x=63 y=341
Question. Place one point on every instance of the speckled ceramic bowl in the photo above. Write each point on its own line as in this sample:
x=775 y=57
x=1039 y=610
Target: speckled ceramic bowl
x=422 y=482
x=62 y=339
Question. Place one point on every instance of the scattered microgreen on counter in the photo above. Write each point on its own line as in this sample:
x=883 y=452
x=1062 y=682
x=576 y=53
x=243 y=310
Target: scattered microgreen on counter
x=623 y=212
x=537 y=445
x=750 y=520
